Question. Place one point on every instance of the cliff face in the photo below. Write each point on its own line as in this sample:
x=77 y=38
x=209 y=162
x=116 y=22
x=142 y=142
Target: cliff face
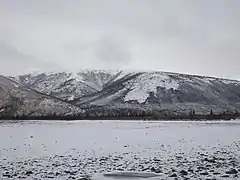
x=66 y=92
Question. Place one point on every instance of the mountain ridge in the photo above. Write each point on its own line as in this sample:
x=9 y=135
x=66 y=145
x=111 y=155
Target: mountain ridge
x=17 y=99
x=119 y=70
x=138 y=90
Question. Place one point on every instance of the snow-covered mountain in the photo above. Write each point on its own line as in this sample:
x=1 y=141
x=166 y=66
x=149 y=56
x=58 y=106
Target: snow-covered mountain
x=137 y=90
x=68 y=85
x=17 y=99
x=168 y=91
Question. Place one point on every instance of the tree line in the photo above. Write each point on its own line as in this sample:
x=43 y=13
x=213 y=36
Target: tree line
x=128 y=114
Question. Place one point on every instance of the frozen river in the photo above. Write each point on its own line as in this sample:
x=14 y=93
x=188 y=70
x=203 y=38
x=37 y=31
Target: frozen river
x=77 y=149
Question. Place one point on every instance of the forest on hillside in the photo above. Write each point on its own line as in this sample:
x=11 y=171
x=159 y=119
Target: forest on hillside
x=128 y=114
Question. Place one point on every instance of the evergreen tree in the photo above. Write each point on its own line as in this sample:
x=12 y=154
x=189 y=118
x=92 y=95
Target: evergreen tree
x=211 y=112
x=193 y=112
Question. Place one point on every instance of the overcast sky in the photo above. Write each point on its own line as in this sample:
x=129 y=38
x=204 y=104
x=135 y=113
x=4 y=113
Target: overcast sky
x=189 y=36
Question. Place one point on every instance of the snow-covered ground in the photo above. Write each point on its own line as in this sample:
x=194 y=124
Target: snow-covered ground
x=88 y=149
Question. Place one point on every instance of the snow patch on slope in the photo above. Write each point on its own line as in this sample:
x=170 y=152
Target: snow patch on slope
x=230 y=81
x=122 y=74
x=148 y=82
x=75 y=76
x=71 y=98
x=109 y=98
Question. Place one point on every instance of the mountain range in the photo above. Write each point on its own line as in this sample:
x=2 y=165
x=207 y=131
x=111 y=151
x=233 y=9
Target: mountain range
x=66 y=93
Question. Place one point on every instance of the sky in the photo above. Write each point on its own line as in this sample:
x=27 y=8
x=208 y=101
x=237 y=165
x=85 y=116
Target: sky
x=187 y=36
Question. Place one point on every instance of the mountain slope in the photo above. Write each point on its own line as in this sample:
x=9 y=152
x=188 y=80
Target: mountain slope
x=68 y=85
x=149 y=91
x=161 y=90
x=17 y=99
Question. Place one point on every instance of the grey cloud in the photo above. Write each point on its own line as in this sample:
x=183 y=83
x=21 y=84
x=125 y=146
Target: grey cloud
x=14 y=61
x=106 y=51
x=11 y=53
x=110 y=51
x=184 y=36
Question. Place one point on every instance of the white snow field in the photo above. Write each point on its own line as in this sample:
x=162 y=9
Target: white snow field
x=119 y=149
